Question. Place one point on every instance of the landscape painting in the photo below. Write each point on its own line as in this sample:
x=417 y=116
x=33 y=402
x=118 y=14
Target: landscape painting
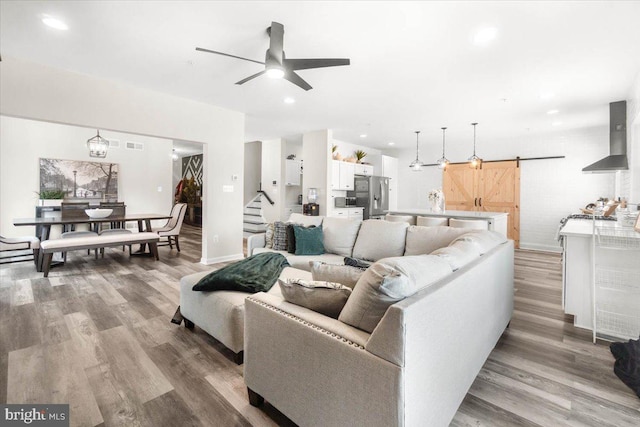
x=80 y=179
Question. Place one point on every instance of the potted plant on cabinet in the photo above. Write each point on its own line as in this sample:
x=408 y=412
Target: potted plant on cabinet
x=360 y=155
x=50 y=197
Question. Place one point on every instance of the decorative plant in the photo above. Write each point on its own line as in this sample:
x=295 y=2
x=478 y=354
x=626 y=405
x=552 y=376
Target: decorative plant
x=51 y=194
x=334 y=152
x=360 y=155
x=334 y=147
x=190 y=191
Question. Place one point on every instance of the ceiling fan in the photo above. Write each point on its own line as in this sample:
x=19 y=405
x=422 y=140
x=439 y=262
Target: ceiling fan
x=277 y=65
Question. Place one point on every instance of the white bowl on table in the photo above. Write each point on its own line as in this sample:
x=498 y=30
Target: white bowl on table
x=98 y=213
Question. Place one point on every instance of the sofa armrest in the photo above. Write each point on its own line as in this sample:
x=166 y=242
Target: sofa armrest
x=313 y=375
x=255 y=241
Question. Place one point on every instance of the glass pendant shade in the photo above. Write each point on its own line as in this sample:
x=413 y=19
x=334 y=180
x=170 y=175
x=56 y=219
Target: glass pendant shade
x=416 y=165
x=98 y=146
x=474 y=160
x=312 y=195
x=443 y=161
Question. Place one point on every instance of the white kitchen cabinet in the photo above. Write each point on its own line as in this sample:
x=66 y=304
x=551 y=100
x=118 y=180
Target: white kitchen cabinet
x=292 y=172
x=351 y=213
x=366 y=170
x=342 y=175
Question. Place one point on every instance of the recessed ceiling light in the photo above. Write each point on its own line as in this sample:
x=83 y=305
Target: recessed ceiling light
x=52 y=22
x=553 y=111
x=289 y=100
x=364 y=135
x=547 y=95
x=485 y=35
x=392 y=143
x=556 y=123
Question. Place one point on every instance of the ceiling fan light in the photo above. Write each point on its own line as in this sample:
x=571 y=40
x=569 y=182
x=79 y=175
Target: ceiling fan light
x=275 y=73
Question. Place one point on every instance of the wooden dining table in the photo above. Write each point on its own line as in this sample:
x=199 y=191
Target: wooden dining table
x=44 y=224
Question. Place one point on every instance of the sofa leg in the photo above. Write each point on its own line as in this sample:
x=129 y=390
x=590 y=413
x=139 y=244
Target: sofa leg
x=254 y=398
x=188 y=324
x=238 y=357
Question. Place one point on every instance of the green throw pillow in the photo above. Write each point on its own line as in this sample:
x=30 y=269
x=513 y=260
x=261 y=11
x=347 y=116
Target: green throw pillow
x=308 y=240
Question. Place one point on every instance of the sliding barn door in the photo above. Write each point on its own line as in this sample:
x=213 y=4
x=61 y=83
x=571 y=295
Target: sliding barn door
x=459 y=183
x=499 y=191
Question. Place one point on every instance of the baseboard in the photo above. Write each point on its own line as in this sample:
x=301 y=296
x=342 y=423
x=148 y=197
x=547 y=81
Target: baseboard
x=544 y=248
x=227 y=258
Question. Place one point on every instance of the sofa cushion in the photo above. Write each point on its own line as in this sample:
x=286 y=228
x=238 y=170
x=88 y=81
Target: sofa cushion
x=268 y=236
x=280 y=236
x=484 y=240
x=323 y=297
x=386 y=282
x=424 y=240
x=458 y=254
x=302 y=261
x=380 y=239
x=340 y=235
x=308 y=241
x=306 y=220
x=343 y=274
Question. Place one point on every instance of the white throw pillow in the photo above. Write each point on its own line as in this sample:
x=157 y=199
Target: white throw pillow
x=344 y=274
x=386 y=282
x=380 y=239
x=424 y=240
x=322 y=297
x=484 y=240
x=340 y=235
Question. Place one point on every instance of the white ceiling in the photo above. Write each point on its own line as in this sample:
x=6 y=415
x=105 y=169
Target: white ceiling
x=413 y=65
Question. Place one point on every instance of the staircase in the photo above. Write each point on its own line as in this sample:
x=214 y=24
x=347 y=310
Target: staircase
x=253 y=221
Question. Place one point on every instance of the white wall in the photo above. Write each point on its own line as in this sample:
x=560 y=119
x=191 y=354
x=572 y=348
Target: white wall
x=316 y=152
x=43 y=93
x=272 y=155
x=176 y=175
x=252 y=169
x=549 y=189
x=291 y=191
x=633 y=141
x=24 y=142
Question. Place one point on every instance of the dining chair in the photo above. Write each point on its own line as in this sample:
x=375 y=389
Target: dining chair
x=119 y=209
x=474 y=224
x=75 y=210
x=72 y=234
x=429 y=221
x=16 y=249
x=171 y=229
x=409 y=219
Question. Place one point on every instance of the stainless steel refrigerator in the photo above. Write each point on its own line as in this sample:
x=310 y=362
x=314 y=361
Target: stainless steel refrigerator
x=371 y=193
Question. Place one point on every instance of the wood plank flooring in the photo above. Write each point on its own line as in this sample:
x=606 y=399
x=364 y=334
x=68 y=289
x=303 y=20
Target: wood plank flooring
x=96 y=334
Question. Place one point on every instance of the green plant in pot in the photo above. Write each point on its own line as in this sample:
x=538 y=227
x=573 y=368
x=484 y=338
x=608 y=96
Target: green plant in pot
x=360 y=155
x=191 y=196
x=57 y=195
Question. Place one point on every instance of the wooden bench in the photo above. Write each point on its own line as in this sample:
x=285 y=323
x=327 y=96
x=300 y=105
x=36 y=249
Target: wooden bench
x=49 y=247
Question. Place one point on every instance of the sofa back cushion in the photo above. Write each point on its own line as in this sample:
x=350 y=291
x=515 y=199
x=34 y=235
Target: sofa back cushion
x=386 y=282
x=380 y=239
x=458 y=254
x=484 y=240
x=424 y=240
x=340 y=235
x=305 y=220
x=343 y=274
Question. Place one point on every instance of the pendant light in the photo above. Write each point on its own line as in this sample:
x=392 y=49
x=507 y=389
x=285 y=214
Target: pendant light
x=416 y=165
x=443 y=162
x=98 y=146
x=475 y=160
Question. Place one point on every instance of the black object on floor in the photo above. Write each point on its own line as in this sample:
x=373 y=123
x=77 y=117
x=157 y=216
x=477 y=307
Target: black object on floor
x=627 y=366
x=177 y=317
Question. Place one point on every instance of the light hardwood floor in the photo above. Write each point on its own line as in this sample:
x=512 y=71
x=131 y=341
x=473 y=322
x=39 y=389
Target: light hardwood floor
x=96 y=334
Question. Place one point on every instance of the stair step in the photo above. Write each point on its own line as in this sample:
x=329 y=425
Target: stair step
x=253 y=219
x=255 y=228
x=255 y=204
x=253 y=212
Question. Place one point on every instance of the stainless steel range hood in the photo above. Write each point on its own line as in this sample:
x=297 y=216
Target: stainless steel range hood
x=617 y=158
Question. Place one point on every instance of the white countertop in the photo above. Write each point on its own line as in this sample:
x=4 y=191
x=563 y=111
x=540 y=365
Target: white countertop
x=450 y=214
x=584 y=227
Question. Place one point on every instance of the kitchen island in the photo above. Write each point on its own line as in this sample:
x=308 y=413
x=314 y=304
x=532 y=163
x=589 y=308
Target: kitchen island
x=497 y=221
x=617 y=254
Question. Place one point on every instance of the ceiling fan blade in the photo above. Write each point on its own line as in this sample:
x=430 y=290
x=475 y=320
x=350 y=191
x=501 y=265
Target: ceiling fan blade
x=226 y=54
x=276 y=42
x=243 y=81
x=296 y=80
x=305 y=64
